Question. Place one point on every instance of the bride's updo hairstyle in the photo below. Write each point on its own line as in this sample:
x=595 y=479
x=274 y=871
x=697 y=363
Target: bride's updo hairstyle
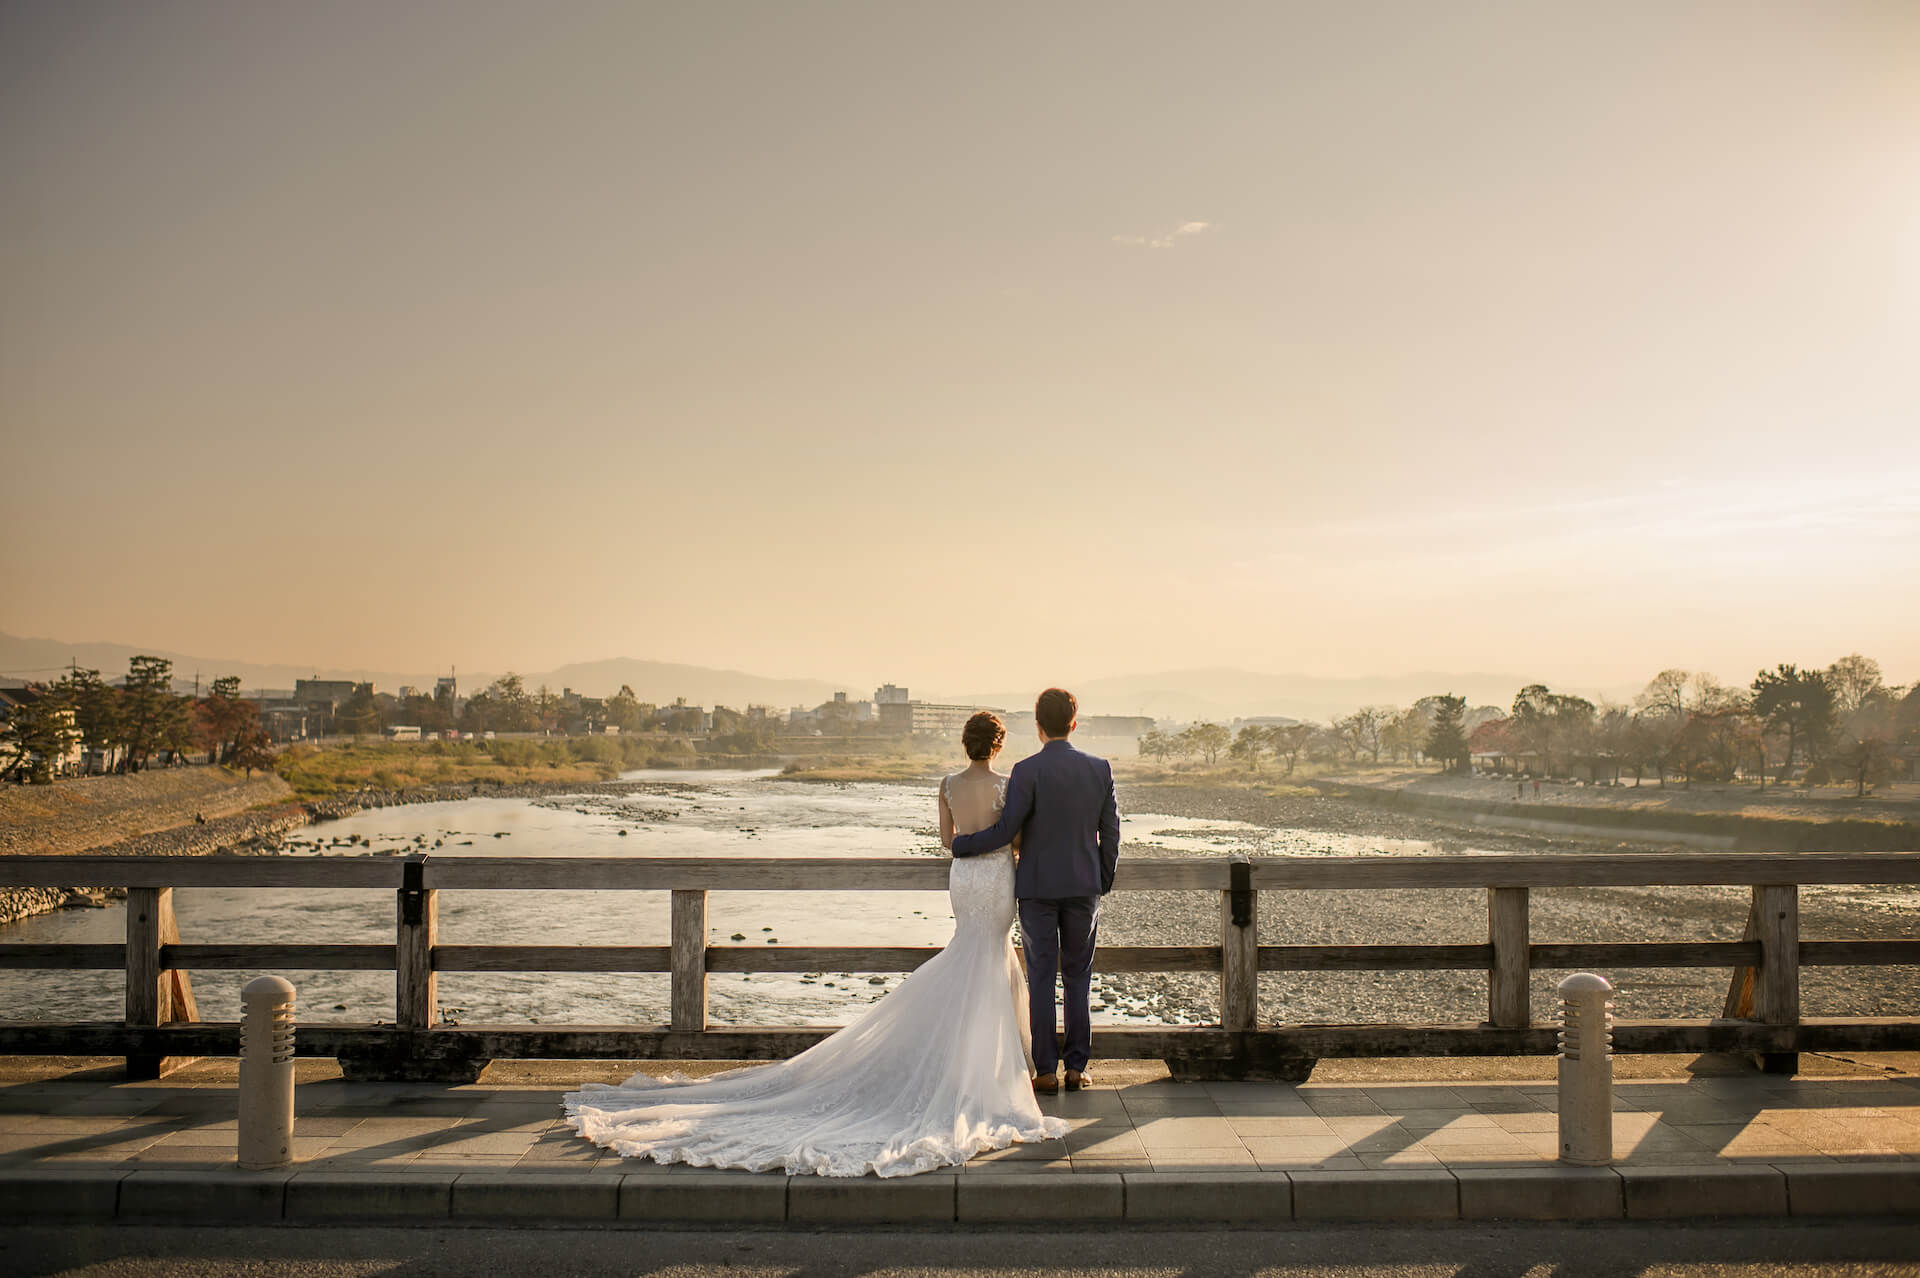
x=983 y=735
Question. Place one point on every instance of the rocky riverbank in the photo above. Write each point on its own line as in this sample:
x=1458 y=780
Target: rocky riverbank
x=1460 y=918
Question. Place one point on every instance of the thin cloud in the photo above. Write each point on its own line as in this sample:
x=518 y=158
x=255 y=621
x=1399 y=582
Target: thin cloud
x=1167 y=240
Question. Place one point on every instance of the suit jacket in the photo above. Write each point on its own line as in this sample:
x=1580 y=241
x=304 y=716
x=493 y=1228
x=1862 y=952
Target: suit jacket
x=1061 y=803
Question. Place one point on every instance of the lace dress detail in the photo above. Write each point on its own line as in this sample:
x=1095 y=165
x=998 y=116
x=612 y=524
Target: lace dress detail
x=932 y=1074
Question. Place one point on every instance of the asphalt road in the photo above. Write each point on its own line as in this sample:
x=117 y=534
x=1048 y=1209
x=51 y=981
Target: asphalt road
x=1719 y=1250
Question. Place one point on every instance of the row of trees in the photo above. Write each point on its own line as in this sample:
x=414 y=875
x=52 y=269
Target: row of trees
x=1841 y=722
x=508 y=705
x=129 y=727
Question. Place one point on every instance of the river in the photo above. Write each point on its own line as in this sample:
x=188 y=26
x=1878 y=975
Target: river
x=759 y=814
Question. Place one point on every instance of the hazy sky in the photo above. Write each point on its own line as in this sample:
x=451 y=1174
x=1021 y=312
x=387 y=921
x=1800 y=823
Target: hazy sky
x=963 y=344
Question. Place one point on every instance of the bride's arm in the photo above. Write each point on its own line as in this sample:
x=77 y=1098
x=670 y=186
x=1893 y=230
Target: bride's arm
x=946 y=819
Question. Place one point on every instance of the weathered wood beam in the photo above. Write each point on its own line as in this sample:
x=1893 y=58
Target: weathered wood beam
x=1374 y=958
x=63 y=956
x=1508 y=975
x=1645 y=954
x=551 y=958
x=584 y=1042
x=156 y=994
x=280 y=958
x=1776 y=988
x=416 y=930
x=1240 y=953
x=831 y=874
x=688 y=954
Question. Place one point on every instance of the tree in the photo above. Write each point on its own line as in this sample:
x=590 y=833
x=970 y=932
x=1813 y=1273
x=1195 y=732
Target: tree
x=1249 y=744
x=1613 y=736
x=1363 y=727
x=1288 y=740
x=225 y=719
x=253 y=750
x=154 y=718
x=1867 y=739
x=38 y=734
x=1207 y=739
x=98 y=712
x=623 y=710
x=1447 y=739
x=1407 y=732
x=513 y=708
x=359 y=714
x=546 y=708
x=1797 y=702
x=1854 y=680
x=1665 y=694
x=1547 y=721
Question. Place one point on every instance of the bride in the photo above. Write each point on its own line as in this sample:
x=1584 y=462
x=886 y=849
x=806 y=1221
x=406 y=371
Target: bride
x=934 y=1073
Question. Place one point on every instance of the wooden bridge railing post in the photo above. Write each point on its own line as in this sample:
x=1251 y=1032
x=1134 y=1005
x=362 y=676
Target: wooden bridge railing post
x=1508 y=1005
x=1240 y=950
x=1776 y=911
x=688 y=929
x=155 y=995
x=415 y=987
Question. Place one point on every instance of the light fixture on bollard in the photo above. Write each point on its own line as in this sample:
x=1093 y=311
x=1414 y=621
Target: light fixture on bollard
x=266 y=1074
x=1586 y=1070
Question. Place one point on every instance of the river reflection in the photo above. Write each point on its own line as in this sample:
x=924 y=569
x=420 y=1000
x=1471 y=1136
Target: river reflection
x=664 y=813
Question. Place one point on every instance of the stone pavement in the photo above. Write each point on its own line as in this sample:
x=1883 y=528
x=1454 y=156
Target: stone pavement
x=1139 y=1151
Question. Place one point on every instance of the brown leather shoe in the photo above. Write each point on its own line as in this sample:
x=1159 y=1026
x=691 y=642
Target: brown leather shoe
x=1078 y=1080
x=1046 y=1084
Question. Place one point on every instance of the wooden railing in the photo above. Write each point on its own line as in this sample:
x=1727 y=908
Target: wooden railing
x=1762 y=1015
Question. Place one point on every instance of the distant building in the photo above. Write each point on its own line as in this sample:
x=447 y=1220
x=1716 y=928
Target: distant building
x=923 y=718
x=889 y=695
x=333 y=693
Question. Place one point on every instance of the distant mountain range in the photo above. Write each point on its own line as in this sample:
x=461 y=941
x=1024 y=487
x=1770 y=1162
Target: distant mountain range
x=1202 y=693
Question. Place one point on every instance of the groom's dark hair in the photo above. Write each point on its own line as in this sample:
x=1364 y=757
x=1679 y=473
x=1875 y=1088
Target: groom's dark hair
x=1055 y=712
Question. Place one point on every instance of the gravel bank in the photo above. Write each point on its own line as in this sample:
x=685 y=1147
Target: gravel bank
x=1458 y=918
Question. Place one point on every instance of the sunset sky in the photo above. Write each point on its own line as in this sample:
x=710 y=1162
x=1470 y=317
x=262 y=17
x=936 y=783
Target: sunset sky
x=966 y=345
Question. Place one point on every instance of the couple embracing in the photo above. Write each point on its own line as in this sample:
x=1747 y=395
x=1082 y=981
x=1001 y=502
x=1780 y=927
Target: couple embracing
x=949 y=1063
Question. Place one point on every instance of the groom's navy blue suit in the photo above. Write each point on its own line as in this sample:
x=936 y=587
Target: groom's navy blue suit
x=1060 y=801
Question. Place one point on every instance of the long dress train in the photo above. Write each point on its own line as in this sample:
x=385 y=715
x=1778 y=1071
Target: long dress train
x=929 y=1076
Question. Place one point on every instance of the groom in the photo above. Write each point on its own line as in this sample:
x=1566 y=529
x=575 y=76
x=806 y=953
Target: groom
x=1060 y=801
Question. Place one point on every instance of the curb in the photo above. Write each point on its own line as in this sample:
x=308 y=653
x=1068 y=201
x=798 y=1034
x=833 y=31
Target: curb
x=1147 y=1199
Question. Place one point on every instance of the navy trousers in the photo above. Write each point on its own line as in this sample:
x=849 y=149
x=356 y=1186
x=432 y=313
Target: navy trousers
x=1059 y=936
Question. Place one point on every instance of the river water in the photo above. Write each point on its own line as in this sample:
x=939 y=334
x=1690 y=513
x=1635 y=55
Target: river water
x=760 y=814
x=668 y=813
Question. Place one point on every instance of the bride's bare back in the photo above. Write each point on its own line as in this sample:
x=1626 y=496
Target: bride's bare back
x=969 y=801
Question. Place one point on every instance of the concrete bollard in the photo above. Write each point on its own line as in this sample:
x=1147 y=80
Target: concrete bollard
x=266 y=1074
x=1586 y=1070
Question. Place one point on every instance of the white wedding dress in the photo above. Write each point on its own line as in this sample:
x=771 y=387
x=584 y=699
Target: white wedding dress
x=932 y=1074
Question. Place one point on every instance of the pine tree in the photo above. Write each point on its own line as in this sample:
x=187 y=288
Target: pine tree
x=1447 y=740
